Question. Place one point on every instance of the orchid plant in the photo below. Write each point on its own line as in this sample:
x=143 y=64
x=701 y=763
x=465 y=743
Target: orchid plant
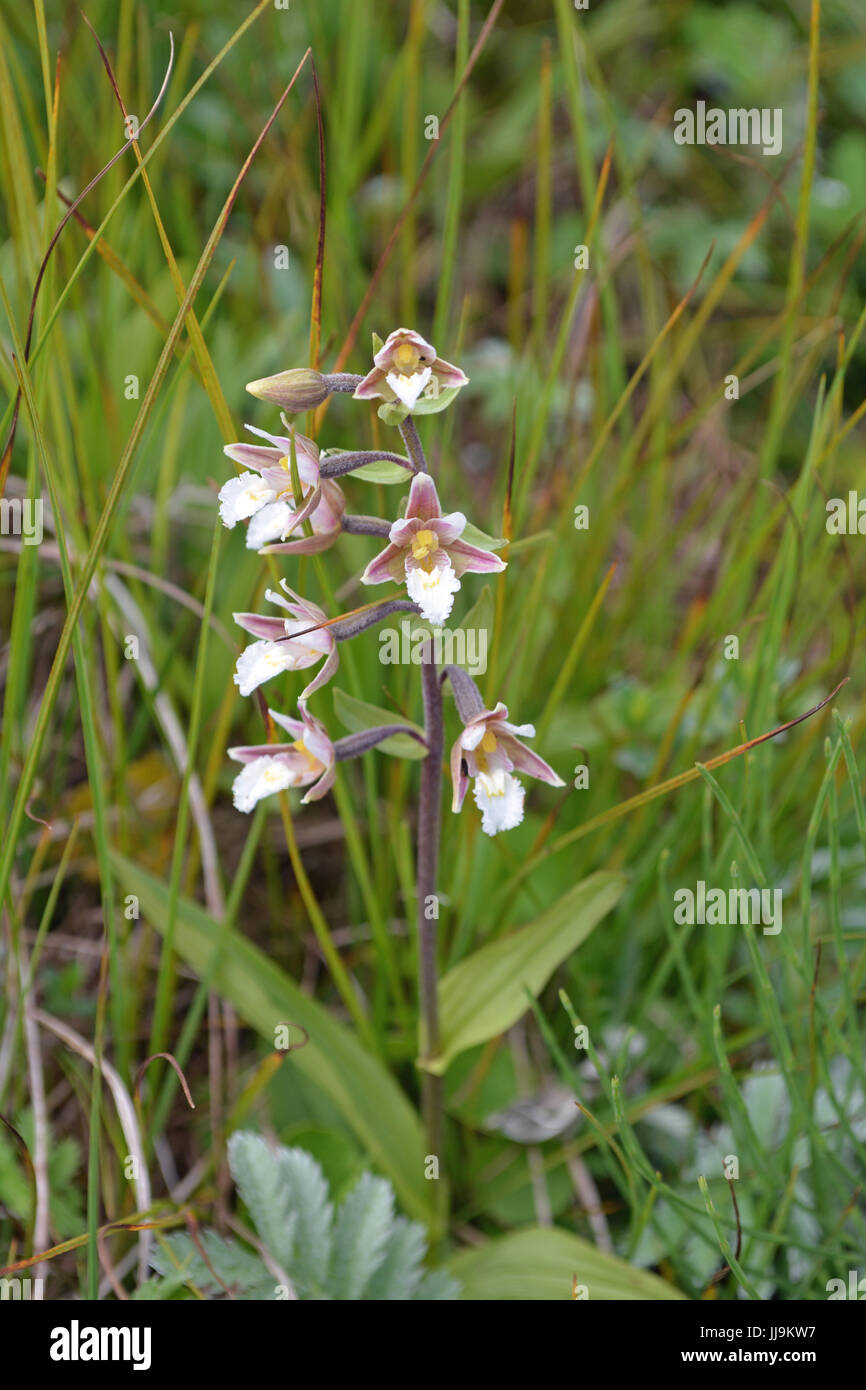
x=291 y=502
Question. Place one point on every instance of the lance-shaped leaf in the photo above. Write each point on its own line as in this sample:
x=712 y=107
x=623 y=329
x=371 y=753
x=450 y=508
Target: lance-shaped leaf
x=486 y=993
x=376 y=465
x=386 y=473
x=474 y=536
x=353 y=745
x=358 y=716
x=335 y=1060
x=543 y=1264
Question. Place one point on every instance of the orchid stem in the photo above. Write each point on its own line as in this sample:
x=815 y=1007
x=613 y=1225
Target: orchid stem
x=429 y=824
x=414 y=447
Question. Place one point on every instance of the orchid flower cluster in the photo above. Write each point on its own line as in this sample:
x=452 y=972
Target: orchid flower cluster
x=288 y=496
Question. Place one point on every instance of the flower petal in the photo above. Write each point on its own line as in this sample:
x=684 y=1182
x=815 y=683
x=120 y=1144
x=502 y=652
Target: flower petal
x=403 y=531
x=526 y=761
x=449 y=527
x=316 y=737
x=310 y=545
x=371 y=386
x=261 y=661
x=423 y=498
x=426 y=351
x=269 y=524
x=408 y=388
x=304 y=512
x=433 y=590
x=381 y=567
x=465 y=557
x=242 y=497
x=459 y=779
x=499 y=798
x=254 y=456
x=262 y=778
x=306 y=453
x=449 y=375
x=270 y=629
x=285 y=721
x=322 y=787
x=325 y=673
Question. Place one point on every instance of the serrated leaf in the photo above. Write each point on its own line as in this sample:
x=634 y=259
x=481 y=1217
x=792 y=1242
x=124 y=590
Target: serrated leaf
x=228 y=1264
x=366 y=1095
x=287 y=1196
x=486 y=992
x=361 y=1234
x=438 y=1286
x=540 y=1264
x=399 y=1275
x=357 y=715
x=256 y=1174
x=308 y=1195
x=159 y=1290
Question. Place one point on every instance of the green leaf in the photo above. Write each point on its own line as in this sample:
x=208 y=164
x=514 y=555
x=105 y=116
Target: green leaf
x=431 y=405
x=384 y=471
x=399 y=1274
x=256 y=1175
x=227 y=1261
x=486 y=993
x=480 y=615
x=438 y=1286
x=361 y=1236
x=357 y=715
x=527 y=542
x=472 y=536
x=540 y=1264
x=392 y=413
x=366 y=1095
x=287 y=1196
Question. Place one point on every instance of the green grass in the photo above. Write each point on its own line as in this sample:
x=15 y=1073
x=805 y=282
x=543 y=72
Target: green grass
x=707 y=521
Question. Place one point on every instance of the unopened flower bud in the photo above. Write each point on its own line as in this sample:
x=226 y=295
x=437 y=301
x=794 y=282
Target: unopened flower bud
x=296 y=390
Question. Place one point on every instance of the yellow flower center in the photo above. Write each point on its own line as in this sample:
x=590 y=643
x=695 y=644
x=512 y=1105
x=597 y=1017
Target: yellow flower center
x=406 y=359
x=424 y=545
x=487 y=745
x=313 y=763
